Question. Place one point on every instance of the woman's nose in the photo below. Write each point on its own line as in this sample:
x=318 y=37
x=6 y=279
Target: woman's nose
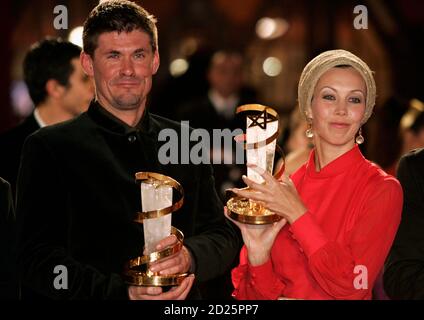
x=341 y=108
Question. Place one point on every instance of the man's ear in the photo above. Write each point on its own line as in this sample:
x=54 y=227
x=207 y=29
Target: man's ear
x=54 y=89
x=87 y=63
x=156 y=62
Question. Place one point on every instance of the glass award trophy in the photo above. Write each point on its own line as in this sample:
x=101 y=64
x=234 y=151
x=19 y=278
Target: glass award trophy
x=157 y=208
x=260 y=143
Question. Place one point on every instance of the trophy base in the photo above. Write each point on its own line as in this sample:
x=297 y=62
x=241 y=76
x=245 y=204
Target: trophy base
x=247 y=211
x=139 y=278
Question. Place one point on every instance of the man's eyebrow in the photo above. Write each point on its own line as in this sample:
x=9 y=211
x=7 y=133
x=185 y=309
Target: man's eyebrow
x=113 y=52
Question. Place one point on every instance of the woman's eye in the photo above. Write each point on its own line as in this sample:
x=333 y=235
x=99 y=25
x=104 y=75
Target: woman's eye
x=355 y=100
x=329 y=97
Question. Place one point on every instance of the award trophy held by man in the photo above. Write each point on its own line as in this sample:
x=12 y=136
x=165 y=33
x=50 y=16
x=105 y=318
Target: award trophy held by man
x=157 y=208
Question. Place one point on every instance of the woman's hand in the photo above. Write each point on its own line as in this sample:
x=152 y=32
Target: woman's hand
x=278 y=196
x=258 y=239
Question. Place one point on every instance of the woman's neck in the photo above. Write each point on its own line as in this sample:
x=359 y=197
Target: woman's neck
x=326 y=153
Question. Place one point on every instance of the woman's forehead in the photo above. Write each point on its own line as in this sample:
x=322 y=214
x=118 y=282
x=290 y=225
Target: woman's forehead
x=342 y=77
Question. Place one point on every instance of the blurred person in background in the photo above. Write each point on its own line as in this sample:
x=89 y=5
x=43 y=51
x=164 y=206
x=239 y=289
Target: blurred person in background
x=297 y=146
x=412 y=127
x=404 y=268
x=59 y=89
x=227 y=91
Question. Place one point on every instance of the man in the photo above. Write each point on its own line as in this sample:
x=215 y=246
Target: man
x=8 y=280
x=404 y=270
x=77 y=195
x=59 y=89
x=217 y=109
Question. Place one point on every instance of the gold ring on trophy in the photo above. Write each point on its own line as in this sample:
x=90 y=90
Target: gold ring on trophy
x=157 y=255
x=164 y=180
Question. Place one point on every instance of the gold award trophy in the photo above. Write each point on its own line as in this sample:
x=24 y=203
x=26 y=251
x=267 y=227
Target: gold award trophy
x=157 y=208
x=260 y=145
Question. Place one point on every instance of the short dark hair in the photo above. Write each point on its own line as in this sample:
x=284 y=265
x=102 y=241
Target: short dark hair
x=48 y=59
x=119 y=16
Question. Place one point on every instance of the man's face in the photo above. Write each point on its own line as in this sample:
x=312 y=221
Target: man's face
x=226 y=74
x=122 y=66
x=79 y=92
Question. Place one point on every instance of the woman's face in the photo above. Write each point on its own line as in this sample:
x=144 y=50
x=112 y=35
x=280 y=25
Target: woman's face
x=338 y=106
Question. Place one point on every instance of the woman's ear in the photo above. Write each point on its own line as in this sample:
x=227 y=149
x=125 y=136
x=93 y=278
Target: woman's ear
x=308 y=114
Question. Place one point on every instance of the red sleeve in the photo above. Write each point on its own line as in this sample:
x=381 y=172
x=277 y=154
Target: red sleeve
x=255 y=282
x=348 y=270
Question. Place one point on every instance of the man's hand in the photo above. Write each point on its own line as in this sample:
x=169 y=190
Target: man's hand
x=155 y=293
x=179 y=262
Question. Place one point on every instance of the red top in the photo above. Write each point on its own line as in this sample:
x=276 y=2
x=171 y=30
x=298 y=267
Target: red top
x=337 y=248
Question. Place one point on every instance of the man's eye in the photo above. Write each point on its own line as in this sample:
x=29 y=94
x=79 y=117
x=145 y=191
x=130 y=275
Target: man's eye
x=113 y=56
x=329 y=97
x=139 y=55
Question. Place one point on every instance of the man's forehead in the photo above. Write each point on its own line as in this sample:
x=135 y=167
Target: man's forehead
x=123 y=40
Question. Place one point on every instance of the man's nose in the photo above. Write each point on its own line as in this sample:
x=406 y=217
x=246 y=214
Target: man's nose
x=127 y=67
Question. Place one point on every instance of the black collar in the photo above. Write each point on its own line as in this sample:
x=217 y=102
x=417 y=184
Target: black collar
x=108 y=121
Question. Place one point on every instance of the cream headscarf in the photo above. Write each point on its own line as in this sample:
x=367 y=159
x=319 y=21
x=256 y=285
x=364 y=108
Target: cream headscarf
x=325 y=61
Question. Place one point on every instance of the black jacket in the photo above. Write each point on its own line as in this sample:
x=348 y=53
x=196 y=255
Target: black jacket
x=11 y=143
x=8 y=276
x=77 y=198
x=404 y=270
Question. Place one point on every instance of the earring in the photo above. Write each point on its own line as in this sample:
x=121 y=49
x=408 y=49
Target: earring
x=309 y=133
x=359 y=138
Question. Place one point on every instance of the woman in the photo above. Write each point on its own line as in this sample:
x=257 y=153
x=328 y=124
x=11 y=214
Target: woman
x=340 y=212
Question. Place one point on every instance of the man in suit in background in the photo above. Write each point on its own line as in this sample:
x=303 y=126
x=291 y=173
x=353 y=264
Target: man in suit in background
x=404 y=269
x=59 y=89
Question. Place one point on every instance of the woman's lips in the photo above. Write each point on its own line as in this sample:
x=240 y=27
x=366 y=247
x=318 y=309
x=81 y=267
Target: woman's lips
x=339 y=125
